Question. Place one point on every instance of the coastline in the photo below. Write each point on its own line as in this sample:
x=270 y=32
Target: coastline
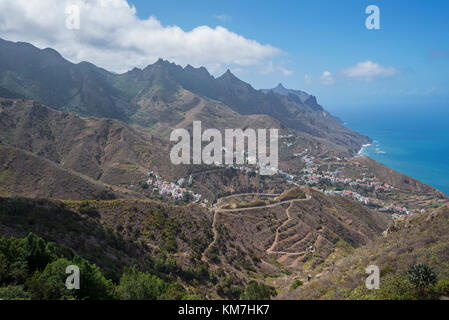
x=420 y=154
x=364 y=146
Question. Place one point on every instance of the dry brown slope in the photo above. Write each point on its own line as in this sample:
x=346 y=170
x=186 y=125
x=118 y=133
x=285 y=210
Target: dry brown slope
x=423 y=238
x=25 y=174
x=103 y=149
x=320 y=222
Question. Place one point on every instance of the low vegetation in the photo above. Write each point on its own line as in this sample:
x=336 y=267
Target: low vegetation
x=291 y=194
x=31 y=268
x=413 y=259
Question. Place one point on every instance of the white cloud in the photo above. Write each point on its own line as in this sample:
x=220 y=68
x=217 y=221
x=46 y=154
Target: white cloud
x=307 y=79
x=286 y=72
x=327 y=79
x=368 y=70
x=112 y=36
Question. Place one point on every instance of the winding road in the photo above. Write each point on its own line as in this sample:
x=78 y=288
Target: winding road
x=276 y=238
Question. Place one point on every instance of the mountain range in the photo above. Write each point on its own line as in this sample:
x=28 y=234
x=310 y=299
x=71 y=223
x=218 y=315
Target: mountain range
x=164 y=95
x=84 y=158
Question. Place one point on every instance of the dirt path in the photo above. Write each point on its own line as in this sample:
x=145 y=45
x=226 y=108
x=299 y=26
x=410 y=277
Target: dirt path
x=242 y=195
x=214 y=231
x=269 y=250
x=276 y=237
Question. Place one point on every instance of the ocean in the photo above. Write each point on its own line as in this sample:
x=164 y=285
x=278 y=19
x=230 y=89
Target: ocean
x=413 y=140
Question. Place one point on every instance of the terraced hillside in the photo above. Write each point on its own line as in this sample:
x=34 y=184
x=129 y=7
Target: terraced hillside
x=286 y=235
x=420 y=239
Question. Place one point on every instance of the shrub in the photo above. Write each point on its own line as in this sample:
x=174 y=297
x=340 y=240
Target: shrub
x=144 y=185
x=50 y=284
x=14 y=293
x=135 y=285
x=174 y=291
x=393 y=287
x=257 y=291
x=442 y=287
x=422 y=277
x=296 y=284
x=295 y=193
x=35 y=253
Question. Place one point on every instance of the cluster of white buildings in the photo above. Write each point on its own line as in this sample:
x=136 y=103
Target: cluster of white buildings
x=310 y=175
x=350 y=194
x=174 y=190
x=368 y=201
x=251 y=169
x=397 y=209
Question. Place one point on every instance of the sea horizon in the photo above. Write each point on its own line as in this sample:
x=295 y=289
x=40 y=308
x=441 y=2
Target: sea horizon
x=410 y=139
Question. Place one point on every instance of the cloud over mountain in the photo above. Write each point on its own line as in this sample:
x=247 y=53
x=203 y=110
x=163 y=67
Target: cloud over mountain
x=327 y=79
x=113 y=36
x=368 y=70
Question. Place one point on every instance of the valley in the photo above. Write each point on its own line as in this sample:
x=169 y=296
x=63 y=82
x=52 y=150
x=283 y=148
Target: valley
x=85 y=164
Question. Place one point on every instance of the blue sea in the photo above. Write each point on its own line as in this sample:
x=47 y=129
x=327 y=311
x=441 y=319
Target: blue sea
x=413 y=140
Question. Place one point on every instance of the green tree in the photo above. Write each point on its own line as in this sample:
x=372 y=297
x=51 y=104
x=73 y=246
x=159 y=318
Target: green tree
x=4 y=268
x=422 y=277
x=257 y=291
x=136 y=285
x=14 y=293
x=187 y=196
x=35 y=253
x=50 y=283
x=144 y=185
x=18 y=271
x=174 y=291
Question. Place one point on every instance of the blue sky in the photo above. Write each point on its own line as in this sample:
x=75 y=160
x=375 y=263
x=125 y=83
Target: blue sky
x=320 y=46
x=319 y=36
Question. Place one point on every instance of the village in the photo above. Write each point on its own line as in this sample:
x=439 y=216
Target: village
x=330 y=182
x=327 y=182
x=312 y=176
x=176 y=191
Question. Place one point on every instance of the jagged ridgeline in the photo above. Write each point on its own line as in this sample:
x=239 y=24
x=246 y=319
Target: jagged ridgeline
x=81 y=149
x=164 y=95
